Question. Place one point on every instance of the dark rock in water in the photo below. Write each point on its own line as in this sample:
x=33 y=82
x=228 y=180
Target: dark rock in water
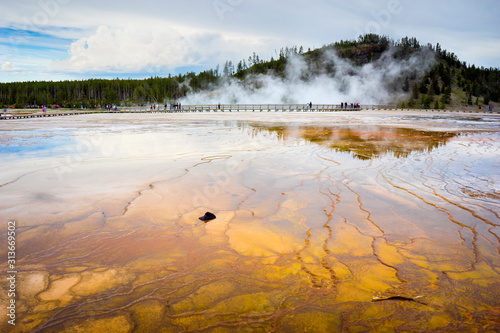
x=207 y=217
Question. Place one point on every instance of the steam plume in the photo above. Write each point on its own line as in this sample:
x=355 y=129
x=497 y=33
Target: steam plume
x=377 y=82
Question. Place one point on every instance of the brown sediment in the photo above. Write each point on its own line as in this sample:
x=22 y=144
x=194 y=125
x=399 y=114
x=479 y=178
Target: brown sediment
x=313 y=277
x=480 y=194
x=375 y=238
x=450 y=217
x=329 y=216
x=209 y=159
x=472 y=212
x=329 y=160
x=15 y=180
x=368 y=214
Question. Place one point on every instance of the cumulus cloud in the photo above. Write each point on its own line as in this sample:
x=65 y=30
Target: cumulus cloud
x=377 y=82
x=9 y=67
x=142 y=49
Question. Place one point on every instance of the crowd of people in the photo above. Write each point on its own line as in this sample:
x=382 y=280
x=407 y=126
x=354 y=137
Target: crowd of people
x=110 y=107
x=173 y=106
x=351 y=106
x=342 y=105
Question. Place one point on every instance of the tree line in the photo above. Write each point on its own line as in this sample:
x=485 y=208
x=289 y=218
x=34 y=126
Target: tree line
x=434 y=89
x=95 y=92
x=470 y=85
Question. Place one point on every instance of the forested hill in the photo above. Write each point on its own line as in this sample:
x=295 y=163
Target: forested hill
x=448 y=81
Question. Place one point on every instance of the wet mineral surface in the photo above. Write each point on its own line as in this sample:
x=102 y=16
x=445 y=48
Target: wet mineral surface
x=317 y=214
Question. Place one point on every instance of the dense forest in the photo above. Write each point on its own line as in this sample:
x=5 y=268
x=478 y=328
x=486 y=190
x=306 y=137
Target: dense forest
x=449 y=81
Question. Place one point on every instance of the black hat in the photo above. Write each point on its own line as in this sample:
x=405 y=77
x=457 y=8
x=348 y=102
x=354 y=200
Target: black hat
x=207 y=217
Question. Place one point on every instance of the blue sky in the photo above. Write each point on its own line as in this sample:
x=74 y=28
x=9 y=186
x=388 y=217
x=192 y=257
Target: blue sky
x=73 y=39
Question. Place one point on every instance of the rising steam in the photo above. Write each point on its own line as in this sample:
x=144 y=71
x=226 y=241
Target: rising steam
x=377 y=82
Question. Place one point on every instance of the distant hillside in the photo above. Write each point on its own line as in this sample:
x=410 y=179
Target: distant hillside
x=443 y=82
x=449 y=82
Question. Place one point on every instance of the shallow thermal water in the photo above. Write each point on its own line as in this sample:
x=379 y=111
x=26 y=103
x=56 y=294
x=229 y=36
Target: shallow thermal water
x=316 y=214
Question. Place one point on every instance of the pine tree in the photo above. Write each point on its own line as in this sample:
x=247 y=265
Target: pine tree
x=435 y=85
x=486 y=99
x=406 y=85
x=415 y=92
x=423 y=87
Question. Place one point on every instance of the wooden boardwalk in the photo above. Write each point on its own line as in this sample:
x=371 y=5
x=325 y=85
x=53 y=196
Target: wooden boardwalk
x=192 y=108
x=259 y=108
x=218 y=108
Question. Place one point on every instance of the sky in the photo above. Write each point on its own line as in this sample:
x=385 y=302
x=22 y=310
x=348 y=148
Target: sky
x=80 y=39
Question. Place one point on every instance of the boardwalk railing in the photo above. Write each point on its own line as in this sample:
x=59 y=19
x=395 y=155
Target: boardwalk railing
x=22 y=114
x=257 y=108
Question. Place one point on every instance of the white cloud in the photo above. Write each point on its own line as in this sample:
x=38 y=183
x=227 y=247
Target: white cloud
x=138 y=48
x=9 y=67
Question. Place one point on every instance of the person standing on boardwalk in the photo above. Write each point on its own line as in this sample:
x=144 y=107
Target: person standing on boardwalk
x=310 y=105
